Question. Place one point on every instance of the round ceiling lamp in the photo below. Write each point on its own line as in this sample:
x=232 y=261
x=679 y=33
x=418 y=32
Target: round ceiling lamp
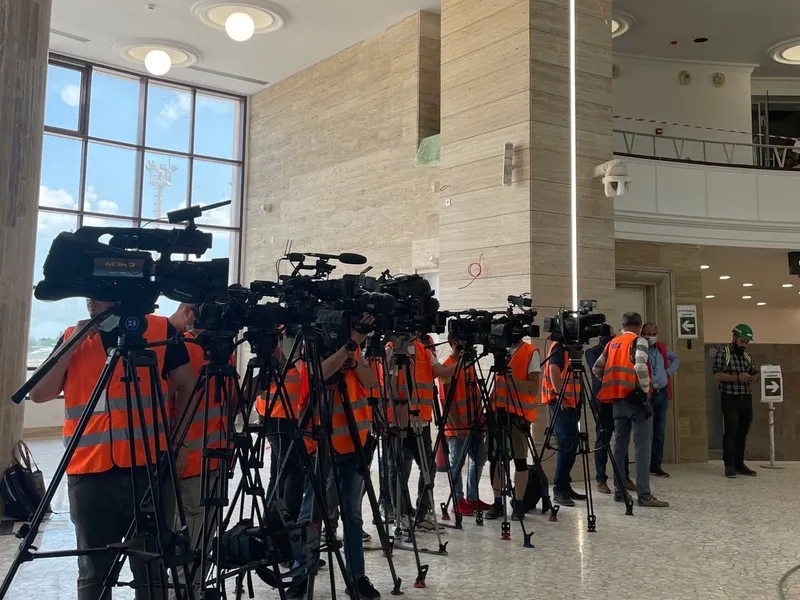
x=157 y=56
x=621 y=22
x=787 y=52
x=240 y=26
x=157 y=62
x=240 y=19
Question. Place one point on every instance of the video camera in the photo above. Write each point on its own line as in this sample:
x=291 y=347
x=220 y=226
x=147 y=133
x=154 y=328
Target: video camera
x=123 y=270
x=496 y=331
x=577 y=327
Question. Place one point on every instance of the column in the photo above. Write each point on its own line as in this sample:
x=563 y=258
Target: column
x=24 y=31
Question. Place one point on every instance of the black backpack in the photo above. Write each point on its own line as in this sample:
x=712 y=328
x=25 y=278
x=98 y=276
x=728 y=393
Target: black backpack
x=537 y=483
x=22 y=486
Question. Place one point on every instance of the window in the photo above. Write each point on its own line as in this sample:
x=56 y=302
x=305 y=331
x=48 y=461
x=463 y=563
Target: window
x=121 y=150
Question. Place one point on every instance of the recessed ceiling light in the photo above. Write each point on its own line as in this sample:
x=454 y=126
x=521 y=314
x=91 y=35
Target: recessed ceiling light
x=761 y=303
x=158 y=56
x=704 y=267
x=709 y=296
x=724 y=277
x=788 y=285
x=746 y=297
x=620 y=23
x=747 y=285
x=700 y=40
x=787 y=52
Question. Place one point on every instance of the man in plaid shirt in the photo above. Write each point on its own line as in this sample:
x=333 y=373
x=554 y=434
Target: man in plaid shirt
x=736 y=371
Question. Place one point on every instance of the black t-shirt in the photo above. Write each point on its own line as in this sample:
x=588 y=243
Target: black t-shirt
x=555 y=356
x=175 y=355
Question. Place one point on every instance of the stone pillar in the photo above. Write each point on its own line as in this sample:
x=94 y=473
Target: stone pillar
x=505 y=78
x=24 y=40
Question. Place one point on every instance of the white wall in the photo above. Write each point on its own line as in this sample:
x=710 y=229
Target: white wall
x=770 y=325
x=776 y=86
x=49 y=414
x=649 y=88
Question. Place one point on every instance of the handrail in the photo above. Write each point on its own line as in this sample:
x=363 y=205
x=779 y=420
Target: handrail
x=769 y=156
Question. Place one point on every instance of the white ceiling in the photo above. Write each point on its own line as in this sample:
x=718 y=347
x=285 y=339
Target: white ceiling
x=739 y=31
x=314 y=30
x=766 y=269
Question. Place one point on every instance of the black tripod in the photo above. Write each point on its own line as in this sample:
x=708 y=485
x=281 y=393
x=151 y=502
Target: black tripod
x=576 y=373
x=169 y=549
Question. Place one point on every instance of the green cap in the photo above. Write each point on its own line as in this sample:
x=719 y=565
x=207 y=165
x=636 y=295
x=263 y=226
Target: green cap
x=743 y=331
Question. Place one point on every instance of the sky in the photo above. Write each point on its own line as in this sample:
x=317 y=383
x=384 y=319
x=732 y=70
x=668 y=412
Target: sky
x=110 y=186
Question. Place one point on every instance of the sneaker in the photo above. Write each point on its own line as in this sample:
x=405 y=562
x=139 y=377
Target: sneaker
x=494 y=512
x=365 y=589
x=427 y=525
x=466 y=508
x=629 y=485
x=517 y=514
x=297 y=589
x=603 y=488
x=618 y=497
x=743 y=469
x=730 y=471
x=480 y=505
x=563 y=499
x=365 y=537
x=576 y=496
x=653 y=502
x=658 y=472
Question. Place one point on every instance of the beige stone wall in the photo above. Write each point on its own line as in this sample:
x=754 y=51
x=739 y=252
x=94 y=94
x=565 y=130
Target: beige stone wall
x=331 y=155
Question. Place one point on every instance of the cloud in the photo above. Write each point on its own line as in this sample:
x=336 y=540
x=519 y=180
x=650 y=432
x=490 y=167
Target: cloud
x=59 y=198
x=108 y=206
x=92 y=203
x=217 y=105
x=174 y=109
x=71 y=95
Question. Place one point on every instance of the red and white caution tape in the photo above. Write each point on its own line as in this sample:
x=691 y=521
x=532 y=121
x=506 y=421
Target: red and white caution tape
x=703 y=128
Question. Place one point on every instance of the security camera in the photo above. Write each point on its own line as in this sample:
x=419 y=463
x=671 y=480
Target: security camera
x=615 y=177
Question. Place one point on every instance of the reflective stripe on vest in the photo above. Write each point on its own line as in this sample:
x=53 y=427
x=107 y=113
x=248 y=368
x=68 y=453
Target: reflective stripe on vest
x=466 y=406
x=105 y=441
x=619 y=376
x=294 y=393
x=423 y=384
x=572 y=390
x=507 y=396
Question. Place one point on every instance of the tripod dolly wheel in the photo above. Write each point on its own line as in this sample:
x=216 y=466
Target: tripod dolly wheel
x=479 y=518
x=554 y=513
x=445 y=513
x=505 y=530
x=527 y=543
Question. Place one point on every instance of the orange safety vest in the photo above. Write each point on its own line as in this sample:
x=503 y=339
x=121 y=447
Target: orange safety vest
x=217 y=420
x=525 y=404
x=572 y=390
x=105 y=441
x=295 y=389
x=619 y=376
x=466 y=401
x=423 y=381
x=358 y=397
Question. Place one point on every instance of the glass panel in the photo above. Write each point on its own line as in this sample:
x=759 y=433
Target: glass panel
x=61 y=172
x=169 y=112
x=49 y=319
x=214 y=182
x=216 y=127
x=164 y=185
x=63 y=97
x=110 y=179
x=114 y=112
x=92 y=221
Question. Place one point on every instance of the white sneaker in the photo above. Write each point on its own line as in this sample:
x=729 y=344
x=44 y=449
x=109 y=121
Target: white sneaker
x=428 y=525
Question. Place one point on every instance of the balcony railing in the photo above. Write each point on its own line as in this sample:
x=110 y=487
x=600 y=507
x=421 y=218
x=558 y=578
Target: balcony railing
x=716 y=152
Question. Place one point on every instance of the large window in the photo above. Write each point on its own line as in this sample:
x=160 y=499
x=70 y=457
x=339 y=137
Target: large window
x=122 y=150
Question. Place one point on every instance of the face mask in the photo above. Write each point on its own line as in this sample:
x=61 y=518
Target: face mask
x=651 y=340
x=110 y=324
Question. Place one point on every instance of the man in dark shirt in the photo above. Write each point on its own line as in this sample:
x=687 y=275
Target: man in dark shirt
x=735 y=371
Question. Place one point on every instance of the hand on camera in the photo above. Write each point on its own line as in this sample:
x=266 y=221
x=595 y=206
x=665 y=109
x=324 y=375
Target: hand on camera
x=91 y=332
x=366 y=322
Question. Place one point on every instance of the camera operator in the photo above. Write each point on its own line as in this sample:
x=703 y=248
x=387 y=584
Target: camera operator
x=348 y=370
x=625 y=377
x=514 y=411
x=566 y=423
x=425 y=367
x=289 y=481
x=100 y=474
x=464 y=427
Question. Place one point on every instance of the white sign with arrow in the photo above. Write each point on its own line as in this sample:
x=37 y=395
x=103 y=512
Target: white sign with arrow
x=687 y=322
x=771 y=383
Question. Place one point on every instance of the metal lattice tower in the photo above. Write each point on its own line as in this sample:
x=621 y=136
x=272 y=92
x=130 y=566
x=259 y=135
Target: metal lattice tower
x=160 y=178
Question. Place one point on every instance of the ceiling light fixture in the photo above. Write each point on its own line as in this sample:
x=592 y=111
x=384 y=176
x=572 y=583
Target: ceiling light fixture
x=747 y=285
x=746 y=297
x=704 y=267
x=709 y=296
x=787 y=285
x=240 y=26
x=724 y=277
x=621 y=22
x=157 y=62
x=787 y=52
x=761 y=303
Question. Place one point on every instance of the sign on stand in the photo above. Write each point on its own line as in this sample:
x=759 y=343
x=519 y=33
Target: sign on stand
x=687 y=322
x=771 y=383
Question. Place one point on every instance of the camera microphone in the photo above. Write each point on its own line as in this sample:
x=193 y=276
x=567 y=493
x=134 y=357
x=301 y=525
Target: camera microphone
x=348 y=258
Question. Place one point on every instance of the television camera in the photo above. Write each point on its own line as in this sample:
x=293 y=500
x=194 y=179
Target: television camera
x=496 y=331
x=577 y=327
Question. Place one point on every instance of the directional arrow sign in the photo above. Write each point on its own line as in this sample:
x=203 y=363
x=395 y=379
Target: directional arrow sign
x=771 y=383
x=687 y=322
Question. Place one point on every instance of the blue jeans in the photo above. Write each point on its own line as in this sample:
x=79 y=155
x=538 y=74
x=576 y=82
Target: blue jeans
x=660 y=402
x=476 y=449
x=351 y=486
x=602 y=445
x=566 y=432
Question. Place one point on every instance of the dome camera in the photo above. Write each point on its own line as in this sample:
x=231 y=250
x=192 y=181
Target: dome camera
x=614 y=174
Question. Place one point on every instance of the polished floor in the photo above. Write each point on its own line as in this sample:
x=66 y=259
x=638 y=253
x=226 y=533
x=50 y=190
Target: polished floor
x=720 y=539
